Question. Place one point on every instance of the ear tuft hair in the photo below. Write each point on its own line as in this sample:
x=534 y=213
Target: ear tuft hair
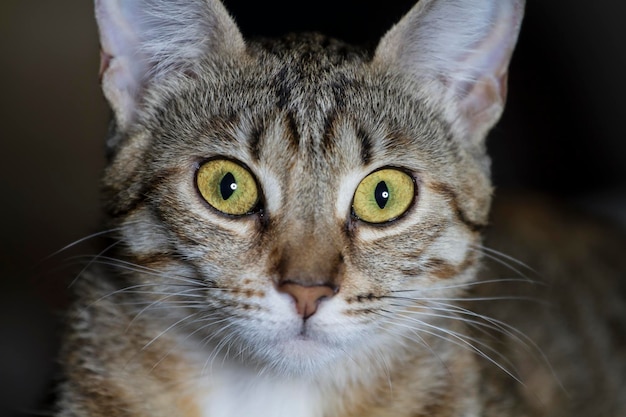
x=459 y=50
x=145 y=40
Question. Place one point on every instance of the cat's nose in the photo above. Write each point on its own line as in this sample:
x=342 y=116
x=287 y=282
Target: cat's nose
x=307 y=298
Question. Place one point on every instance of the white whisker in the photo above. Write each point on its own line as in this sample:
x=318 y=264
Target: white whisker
x=170 y=327
x=92 y=261
x=457 y=339
x=496 y=253
x=81 y=240
x=468 y=285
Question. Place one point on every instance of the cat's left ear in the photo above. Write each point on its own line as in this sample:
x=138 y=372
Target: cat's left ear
x=144 y=41
x=458 y=51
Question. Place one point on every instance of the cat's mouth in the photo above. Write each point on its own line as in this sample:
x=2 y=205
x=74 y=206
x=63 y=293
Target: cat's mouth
x=306 y=340
x=305 y=332
x=304 y=348
x=302 y=334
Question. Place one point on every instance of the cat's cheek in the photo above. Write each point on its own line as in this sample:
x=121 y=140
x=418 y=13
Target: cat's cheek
x=140 y=234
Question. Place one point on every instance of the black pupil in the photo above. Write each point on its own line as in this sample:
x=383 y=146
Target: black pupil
x=228 y=185
x=381 y=194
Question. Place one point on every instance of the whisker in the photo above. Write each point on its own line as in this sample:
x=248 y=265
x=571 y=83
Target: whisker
x=495 y=298
x=91 y=262
x=129 y=290
x=489 y=323
x=208 y=364
x=79 y=241
x=473 y=339
x=462 y=341
x=471 y=284
x=510 y=258
x=420 y=340
x=172 y=326
x=198 y=329
x=131 y=267
x=185 y=293
x=167 y=304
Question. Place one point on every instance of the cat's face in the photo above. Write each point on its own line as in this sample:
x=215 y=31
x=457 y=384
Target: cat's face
x=294 y=202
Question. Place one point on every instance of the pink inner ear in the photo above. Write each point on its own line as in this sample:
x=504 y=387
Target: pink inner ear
x=481 y=100
x=143 y=40
x=121 y=69
x=105 y=61
x=460 y=51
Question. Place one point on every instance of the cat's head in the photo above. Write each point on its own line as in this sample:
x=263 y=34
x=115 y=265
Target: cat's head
x=300 y=199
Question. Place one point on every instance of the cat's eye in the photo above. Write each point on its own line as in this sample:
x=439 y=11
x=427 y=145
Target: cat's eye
x=383 y=196
x=227 y=186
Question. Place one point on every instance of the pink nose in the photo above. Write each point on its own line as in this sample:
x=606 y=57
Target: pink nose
x=307 y=297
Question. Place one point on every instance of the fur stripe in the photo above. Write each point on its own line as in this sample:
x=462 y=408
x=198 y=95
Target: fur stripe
x=458 y=210
x=131 y=200
x=255 y=141
x=329 y=134
x=283 y=89
x=365 y=141
x=293 y=133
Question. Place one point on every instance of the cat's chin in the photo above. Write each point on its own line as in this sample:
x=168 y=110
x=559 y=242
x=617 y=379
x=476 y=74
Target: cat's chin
x=304 y=357
x=299 y=355
x=305 y=346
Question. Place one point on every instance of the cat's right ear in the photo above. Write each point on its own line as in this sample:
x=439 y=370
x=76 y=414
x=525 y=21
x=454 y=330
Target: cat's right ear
x=458 y=52
x=143 y=41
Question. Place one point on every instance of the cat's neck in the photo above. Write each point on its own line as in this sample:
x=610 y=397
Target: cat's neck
x=229 y=389
x=349 y=388
x=234 y=392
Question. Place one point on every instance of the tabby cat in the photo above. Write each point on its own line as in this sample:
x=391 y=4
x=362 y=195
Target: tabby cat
x=297 y=231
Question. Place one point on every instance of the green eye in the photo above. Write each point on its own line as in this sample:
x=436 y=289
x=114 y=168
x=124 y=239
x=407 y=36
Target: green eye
x=228 y=187
x=383 y=196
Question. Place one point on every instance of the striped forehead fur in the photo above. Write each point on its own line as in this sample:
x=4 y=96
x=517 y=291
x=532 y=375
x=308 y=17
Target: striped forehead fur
x=191 y=106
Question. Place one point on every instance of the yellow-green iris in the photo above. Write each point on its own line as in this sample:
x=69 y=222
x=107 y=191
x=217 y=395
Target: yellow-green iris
x=228 y=186
x=383 y=196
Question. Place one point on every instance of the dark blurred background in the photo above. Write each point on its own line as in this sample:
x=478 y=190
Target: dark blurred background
x=563 y=134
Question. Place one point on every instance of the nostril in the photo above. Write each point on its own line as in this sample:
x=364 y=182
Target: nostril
x=307 y=298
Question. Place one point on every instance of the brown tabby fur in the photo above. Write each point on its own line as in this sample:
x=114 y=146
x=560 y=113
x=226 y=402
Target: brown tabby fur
x=190 y=294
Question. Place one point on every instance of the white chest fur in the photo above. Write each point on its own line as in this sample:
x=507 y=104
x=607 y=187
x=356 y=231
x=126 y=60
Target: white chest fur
x=235 y=393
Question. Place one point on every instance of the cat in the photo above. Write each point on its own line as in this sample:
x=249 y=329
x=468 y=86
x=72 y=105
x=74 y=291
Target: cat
x=297 y=230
